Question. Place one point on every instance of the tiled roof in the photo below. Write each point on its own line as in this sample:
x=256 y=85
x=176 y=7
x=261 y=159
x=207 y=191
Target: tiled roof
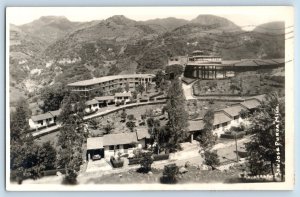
x=46 y=115
x=142 y=133
x=109 y=78
x=94 y=143
x=123 y=94
x=251 y=103
x=91 y=102
x=120 y=138
x=104 y=98
x=234 y=110
x=195 y=125
x=220 y=117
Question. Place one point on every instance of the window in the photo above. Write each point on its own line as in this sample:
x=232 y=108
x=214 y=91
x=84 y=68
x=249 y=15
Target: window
x=112 y=147
x=127 y=146
x=41 y=122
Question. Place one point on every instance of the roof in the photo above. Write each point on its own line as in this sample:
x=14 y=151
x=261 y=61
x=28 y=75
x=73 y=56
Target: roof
x=91 y=102
x=195 y=125
x=142 y=133
x=94 y=143
x=123 y=94
x=120 y=138
x=241 y=63
x=104 y=98
x=234 y=110
x=260 y=97
x=251 y=103
x=109 y=78
x=46 y=115
x=220 y=117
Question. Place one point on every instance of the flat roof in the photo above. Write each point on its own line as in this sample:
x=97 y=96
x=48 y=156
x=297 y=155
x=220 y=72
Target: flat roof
x=109 y=78
x=94 y=143
x=104 y=98
x=123 y=94
x=91 y=102
x=195 y=125
x=120 y=138
x=241 y=63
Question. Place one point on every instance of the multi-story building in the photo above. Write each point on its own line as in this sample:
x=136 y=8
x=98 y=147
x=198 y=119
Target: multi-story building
x=203 y=66
x=109 y=83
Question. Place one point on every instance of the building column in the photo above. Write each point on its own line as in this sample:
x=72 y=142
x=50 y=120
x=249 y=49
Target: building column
x=192 y=137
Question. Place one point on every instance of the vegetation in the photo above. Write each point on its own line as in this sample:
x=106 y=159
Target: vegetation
x=146 y=161
x=27 y=159
x=206 y=138
x=267 y=146
x=169 y=174
x=174 y=71
x=211 y=159
x=178 y=117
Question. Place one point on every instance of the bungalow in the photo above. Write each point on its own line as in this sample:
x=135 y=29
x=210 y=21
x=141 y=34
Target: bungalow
x=105 y=100
x=123 y=97
x=110 y=144
x=251 y=104
x=46 y=119
x=222 y=121
x=143 y=136
x=234 y=111
x=91 y=105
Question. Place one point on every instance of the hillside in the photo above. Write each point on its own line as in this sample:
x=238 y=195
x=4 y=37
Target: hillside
x=53 y=50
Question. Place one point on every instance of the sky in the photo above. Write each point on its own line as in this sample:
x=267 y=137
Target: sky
x=242 y=16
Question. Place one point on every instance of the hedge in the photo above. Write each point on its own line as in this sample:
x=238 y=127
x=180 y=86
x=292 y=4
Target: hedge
x=161 y=157
x=134 y=161
x=232 y=136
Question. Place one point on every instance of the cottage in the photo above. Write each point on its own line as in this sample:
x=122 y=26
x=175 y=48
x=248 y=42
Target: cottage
x=110 y=144
x=104 y=101
x=92 y=105
x=143 y=136
x=251 y=104
x=46 y=119
x=123 y=97
x=234 y=111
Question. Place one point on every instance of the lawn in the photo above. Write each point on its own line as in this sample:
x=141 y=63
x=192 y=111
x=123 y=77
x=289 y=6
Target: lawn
x=52 y=137
x=198 y=108
x=247 y=83
x=115 y=119
x=193 y=175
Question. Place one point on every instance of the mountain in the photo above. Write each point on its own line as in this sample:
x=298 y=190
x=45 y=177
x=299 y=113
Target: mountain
x=167 y=24
x=53 y=50
x=216 y=21
x=276 y=27
x=49 y=28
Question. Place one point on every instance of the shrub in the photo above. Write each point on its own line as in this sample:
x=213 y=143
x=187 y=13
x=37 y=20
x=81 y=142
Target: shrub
x=169 y=174
x=211 y=159
x=134 y=161
x=116 y=163
x=161 y=157
x=146 y=161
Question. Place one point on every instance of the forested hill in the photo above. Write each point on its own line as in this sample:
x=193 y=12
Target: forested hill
x=53 y=50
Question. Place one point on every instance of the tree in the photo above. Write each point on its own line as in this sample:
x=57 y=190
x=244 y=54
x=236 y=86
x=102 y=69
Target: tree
x=169 y=174
x=19 y=120
x=47 y=156
x=53 y=96
x=159 y=78
x=211 y=159
x=178 y=117
x=174 y=71
x=268 y=142
x=148 y=86
x=108 y=127
x=244 y=114
x=130 y=125
x=123 y=116
x=140 y=88
x=127 y=88
x=146 y=161
x=206 y=138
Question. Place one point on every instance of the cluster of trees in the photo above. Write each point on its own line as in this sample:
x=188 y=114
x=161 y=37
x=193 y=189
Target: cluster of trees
x=27 y=159
x=267 y=146
x=71 y=137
